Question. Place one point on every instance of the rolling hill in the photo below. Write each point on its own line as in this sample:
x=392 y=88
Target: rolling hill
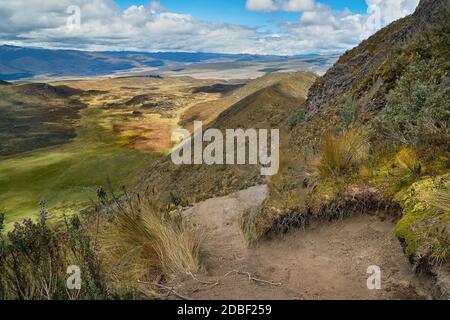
x=389 y=188
x=36 y=115
x=261 y=104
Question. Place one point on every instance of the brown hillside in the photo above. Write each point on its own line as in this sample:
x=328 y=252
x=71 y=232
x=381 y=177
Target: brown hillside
x=367 y=72
x=266 y=108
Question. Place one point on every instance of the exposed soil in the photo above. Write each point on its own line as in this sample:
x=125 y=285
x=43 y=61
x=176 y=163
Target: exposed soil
x=147 y=134
x=328 y=261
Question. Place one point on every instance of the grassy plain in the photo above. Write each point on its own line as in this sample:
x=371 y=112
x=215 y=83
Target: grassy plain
x=125 y=127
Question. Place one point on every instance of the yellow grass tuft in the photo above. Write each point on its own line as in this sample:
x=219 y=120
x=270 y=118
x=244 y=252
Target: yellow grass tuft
x=440 y=199
x=144 y=243
x=407 y=159
x=343 y=153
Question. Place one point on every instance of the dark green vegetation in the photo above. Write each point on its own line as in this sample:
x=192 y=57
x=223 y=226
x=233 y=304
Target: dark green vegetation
x=55 y=148
x=120 y=249
x=34 y=259
x=34 y=116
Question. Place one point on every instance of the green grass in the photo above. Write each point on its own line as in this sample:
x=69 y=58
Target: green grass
x=423 y=227
x=67 y=176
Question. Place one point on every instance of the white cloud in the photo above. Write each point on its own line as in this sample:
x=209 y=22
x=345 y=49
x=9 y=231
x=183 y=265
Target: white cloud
x=298 y=5
x=392 y=9
x=261 y=5
x=149 y=28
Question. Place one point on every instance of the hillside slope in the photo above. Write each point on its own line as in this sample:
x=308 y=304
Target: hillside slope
x=295 y=84
x=36 y=115
x=366 y=73
x=267 y=102
x=335 y=162
x=374 y=132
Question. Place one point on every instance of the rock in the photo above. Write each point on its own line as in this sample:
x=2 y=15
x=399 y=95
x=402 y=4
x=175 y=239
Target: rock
x=357 y=73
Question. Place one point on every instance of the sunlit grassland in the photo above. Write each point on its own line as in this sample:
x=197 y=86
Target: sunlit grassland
x=67 y=176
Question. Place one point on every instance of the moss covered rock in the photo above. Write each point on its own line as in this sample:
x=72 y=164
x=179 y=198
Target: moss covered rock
x=424 y=228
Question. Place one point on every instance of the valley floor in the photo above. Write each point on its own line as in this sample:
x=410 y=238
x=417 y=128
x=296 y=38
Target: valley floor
x=329 y=261
x=125 y=127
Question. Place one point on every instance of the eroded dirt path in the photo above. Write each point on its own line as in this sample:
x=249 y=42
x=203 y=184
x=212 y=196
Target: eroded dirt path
x=329 y=261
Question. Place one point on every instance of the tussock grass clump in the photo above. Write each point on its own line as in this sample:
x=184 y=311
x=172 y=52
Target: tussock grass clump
x=321 y=205
x=341 y=154
x=407 y=159
x=255 y=223
x=143 y=243
x=440 y=199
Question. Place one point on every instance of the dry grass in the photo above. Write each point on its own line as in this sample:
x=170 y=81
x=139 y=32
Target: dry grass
x=254 y=223
x=440 y=199
x=342 y=153
x=144 y=244
x=407 y=159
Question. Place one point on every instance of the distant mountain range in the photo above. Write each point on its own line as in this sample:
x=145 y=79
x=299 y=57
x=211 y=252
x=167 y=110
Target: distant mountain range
x=23 y=63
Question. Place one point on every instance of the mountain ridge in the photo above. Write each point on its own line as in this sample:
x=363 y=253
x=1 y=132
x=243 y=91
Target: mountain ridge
x=366 y=73
x=26 y=62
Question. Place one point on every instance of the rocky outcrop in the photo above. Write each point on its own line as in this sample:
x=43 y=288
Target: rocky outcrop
x=360 y=74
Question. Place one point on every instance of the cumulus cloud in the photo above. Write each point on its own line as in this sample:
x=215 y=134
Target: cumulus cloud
x=322 y=27
x=261 y=5
x=298 y=5
x=391 y=10
x=104 y=26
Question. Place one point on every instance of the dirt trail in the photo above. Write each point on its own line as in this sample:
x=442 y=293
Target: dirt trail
x=329 y=261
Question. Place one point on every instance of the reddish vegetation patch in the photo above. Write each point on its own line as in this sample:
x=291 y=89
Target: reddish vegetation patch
x=146 y=135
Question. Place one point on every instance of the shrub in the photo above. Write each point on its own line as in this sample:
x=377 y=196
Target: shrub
x=144 y=242
x=347 y=114
x=34 y=258
x=417 y=110
x=296 y=118
x=343 y=153
x=2 y=221
x=434 y=120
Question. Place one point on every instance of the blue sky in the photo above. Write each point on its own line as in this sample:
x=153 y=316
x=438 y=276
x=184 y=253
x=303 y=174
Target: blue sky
x=234 y=11
x=282 y=27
